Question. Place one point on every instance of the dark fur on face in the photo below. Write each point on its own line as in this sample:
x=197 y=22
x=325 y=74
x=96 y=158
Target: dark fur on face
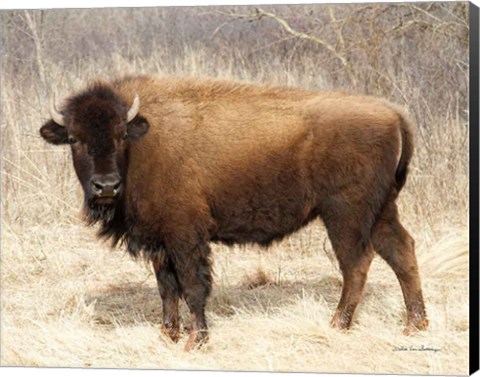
x=96 y=128
x=100 y=211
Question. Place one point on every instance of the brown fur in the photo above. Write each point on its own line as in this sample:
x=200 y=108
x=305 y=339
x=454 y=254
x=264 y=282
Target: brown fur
x=242 y=163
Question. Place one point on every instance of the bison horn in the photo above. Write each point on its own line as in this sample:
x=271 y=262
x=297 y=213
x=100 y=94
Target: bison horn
x=56 y=116
x=132 y=113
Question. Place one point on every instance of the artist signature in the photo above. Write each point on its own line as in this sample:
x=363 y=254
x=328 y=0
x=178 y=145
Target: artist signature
x=421 y=348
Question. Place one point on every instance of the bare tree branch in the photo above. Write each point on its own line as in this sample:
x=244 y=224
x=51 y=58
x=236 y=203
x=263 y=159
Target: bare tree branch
x=284 y=24
x=36 y=30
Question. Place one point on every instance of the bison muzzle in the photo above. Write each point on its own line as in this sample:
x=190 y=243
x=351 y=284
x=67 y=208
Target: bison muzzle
x=168 y=165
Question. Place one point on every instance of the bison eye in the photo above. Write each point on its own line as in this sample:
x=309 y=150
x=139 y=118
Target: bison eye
x=125 y=136
x=72 y=140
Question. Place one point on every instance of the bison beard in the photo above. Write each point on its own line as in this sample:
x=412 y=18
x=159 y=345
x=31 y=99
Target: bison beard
x=205 y=161
x=96 y=212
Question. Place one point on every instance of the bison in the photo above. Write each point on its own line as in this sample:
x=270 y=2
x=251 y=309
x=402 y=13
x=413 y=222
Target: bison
x=168 y=165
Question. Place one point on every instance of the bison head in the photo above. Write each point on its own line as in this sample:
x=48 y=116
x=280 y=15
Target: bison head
x=99 y=126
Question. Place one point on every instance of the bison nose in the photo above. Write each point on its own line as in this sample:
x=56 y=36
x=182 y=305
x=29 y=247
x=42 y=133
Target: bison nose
x=106 y=185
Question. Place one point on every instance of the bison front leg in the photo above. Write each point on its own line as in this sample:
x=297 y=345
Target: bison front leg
x=194 y=274
x=170 y=293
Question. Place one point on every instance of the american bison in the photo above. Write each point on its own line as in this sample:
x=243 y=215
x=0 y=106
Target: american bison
x=169 y=164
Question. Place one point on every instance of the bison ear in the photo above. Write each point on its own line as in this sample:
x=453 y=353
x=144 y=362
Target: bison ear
x=54 y=133
x=137 y=128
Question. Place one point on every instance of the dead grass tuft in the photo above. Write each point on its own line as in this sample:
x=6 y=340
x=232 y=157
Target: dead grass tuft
x=259 y=279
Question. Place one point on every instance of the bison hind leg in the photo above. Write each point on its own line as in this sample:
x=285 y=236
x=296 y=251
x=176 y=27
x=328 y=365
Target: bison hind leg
x=395 y=245
x=349 y=236
x=354 y=261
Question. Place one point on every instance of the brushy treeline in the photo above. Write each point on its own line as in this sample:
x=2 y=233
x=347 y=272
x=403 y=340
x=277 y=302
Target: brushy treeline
x=415 y=54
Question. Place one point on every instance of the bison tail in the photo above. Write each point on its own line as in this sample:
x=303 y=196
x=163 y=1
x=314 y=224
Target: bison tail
x=407 y=149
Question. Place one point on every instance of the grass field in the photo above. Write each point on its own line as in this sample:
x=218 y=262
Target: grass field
x=68 y=300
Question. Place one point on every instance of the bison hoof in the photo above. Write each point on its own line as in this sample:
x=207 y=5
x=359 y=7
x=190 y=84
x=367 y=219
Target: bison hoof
x=414 y=326
x=196 y=340
x=340 y=321
x=172 y=331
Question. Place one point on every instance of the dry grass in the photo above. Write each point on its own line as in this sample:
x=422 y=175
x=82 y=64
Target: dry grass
x=86 y=306
x=67 y=300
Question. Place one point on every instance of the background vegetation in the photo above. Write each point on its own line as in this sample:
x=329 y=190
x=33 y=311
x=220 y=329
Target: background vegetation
x=68 y=300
